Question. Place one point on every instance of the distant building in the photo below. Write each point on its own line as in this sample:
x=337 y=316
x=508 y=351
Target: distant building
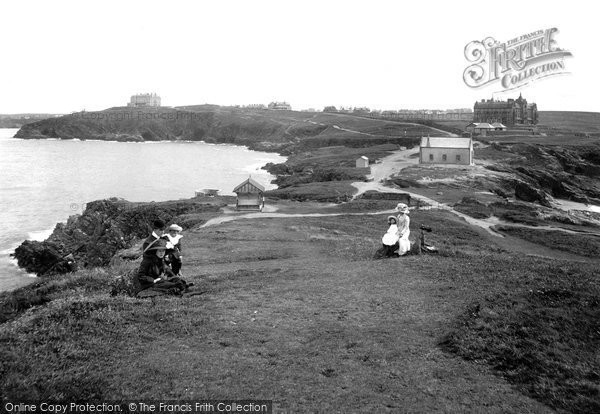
x=511 y=112
x=498 y=126
x=361 y=111
x=471 y=127
x=256 y=106
x=444 y=150
x=362 y=162
x=207 y=192
x=482 y=128
x=250 y=195
x=426 y=114
x=144 y=100
x=282 y=106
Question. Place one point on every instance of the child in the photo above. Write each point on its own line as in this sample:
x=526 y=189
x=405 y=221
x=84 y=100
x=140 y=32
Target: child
x=390 y=238
x=173 y=253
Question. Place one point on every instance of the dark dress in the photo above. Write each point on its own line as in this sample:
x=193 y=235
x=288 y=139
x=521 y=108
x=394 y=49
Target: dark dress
x=153 y=267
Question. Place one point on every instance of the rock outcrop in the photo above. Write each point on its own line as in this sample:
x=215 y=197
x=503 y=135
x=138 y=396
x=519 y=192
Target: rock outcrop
x=218 y=125
x=527 y=192
x=540 y=172
x=105 y=227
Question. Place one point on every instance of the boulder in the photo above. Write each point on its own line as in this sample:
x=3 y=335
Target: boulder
x=405 y=183
x=527 y=192
x=44 y=258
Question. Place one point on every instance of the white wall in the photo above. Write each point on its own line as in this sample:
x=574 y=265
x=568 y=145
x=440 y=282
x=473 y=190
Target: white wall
x=450 y=153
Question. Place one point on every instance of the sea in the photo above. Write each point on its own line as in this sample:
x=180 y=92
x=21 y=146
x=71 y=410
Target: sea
x=44 y=181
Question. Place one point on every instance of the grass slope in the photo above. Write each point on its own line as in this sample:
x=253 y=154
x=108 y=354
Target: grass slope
x=295 y=310
x=587 y=122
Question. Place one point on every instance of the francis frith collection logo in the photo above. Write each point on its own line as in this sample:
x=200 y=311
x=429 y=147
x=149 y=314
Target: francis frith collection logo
x=516 y=62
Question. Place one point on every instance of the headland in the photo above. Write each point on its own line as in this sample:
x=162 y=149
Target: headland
x=295 y=301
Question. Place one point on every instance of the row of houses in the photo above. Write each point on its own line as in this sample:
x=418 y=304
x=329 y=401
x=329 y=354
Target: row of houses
x=427 y=114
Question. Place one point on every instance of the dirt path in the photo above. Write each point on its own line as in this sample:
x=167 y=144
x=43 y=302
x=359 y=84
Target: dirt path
x=399 y=160
x=388 y=166
x=314 y=317
x=224 y=219
x=394 y=163
x=387 y=121
x=445 y=133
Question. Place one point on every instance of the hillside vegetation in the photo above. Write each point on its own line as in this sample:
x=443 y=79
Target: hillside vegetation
x=296 y=310
x=258 y=129
x=293 y=307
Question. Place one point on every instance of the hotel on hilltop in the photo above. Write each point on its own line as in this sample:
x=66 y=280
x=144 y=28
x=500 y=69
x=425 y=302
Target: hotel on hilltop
x=281 y=106
x=511 y=112
x=144 y=100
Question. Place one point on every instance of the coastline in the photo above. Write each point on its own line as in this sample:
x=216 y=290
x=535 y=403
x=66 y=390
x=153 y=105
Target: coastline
x=11 y=271
x=307 y=272
x=299 y=293
x=316 y=169
x=174 y=141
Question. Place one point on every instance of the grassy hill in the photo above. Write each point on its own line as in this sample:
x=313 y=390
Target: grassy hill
x=214 y=124
x=18 y=120
x=579 y=122
x=295 y=310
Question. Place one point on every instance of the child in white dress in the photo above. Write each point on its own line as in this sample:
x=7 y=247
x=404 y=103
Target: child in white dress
x=173 y=254
x=390 y=238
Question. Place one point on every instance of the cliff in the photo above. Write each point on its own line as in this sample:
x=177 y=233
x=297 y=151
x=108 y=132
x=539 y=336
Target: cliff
x=543 y=171
x=105 y=227
x=204 y=123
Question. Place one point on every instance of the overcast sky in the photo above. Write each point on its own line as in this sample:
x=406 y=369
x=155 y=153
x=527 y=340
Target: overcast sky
x=62 y=56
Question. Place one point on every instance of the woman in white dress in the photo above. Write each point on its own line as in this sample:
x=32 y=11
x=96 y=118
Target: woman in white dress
x=403 y=229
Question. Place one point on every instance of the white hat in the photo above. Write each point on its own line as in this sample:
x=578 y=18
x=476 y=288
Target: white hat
x=403 y=208
x=175 y=227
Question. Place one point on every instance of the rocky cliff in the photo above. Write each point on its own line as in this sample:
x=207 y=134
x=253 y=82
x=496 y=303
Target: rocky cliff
x=105 y=227
x=543 y=171
x=209 y=124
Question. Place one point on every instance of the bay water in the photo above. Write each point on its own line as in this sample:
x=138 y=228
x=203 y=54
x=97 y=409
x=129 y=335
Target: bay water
x=43 y=182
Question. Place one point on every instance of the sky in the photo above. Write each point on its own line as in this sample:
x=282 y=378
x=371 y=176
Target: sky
x=65 y=56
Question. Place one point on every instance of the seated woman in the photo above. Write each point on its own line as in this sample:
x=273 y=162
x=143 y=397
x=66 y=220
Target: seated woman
x=403 y=229
x=154 y=275
x=390 y=238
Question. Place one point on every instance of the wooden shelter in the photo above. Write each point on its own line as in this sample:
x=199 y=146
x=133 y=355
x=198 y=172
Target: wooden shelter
x=250 y=195
x=362 y=162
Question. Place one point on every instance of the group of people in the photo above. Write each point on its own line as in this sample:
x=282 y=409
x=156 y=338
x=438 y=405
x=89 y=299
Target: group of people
x=395 y=240
x=160 y=269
